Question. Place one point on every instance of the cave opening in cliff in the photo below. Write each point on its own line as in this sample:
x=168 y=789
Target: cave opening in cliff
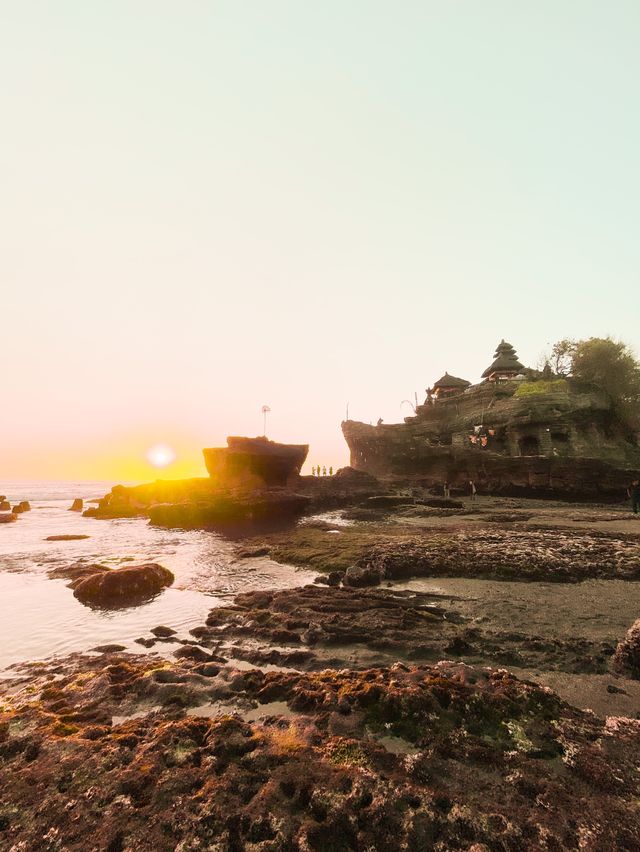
x=529 y=446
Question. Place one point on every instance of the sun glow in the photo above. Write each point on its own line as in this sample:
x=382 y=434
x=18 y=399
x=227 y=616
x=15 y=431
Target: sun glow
x=160 y=455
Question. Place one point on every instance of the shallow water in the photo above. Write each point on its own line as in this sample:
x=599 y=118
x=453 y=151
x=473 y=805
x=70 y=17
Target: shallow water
x=40 y=617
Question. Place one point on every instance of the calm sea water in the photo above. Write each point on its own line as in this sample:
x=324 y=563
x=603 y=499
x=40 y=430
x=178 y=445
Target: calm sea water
x=41 y=618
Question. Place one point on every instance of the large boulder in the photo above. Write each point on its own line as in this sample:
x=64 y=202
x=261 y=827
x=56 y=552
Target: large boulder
x=351 y=476
x=7 y=517
x=5 y=505
x=626 y=659
x=77 y=505
x=123 y=586
x=358 y=576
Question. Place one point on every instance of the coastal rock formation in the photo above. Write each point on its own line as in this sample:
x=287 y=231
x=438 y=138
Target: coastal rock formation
x=122 y=586
x=23 y=506
x=5 y=506
x=7 y=517
x=397 y=552
x=228 y=511
x=403 y=757
x=509 y=434
x=627 y=656
x=77 y=505
x=384 y=625
x=192 y=503
x=254 y=463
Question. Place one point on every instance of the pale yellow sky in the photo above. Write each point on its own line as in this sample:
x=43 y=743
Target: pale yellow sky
x=210 y=207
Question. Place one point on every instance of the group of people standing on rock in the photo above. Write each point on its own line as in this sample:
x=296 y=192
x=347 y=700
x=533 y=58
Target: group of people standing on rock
x=317 y=471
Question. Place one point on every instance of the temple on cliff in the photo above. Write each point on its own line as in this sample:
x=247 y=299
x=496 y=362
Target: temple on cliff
x=514 y=430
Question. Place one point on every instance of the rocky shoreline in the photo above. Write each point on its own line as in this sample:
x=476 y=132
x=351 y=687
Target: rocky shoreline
x=374 y=709
x=119 y=752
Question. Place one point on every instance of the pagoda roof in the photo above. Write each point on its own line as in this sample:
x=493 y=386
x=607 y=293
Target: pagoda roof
x=448 y=381
x=506 y=360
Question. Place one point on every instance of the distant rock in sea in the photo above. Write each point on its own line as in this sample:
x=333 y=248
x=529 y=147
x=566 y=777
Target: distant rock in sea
x=7 y=517
x=66 y=537
x=77 y=505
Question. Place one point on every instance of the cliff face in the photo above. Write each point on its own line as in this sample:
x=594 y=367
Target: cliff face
x=554 y=437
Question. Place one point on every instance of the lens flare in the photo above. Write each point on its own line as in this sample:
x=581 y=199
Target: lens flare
x=160 y=455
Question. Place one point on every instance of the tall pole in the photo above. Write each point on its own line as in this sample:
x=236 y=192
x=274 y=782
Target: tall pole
x=265 y=411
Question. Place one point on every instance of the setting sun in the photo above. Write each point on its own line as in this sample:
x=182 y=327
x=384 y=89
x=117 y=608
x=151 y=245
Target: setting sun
x=160 y=455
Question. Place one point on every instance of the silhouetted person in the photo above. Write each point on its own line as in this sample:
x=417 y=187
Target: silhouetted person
x=633 y=492
x=331 y=471
x=447 y=490
x=379 y=423
x=472 y=489
x=324 y=471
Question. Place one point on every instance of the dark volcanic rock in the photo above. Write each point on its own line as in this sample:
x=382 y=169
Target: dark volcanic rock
x=66 y=537
x=388 y=624
x=401 y=758
x=351 y=476
x=333 y=578
x=626 y=659
x=336 y=615
x=122 y=586
x=163 y=631
x=358 y=576
x=108 y=649
x=548 y=555
x=227 y=511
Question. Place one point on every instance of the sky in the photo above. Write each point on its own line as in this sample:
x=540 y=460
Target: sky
x=214 y=205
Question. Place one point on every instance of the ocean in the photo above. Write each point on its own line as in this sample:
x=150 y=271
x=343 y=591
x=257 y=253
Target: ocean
x=40 y=617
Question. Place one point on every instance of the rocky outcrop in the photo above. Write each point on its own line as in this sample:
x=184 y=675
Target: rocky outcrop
x=5 y=505
x=122 y=586
x=192 y=503
x=626 y=659
x=77 y=505
x=395 y=552
x=389 y=758
x=535 y=438
x=22 y=506
x=8 y=517
x=225 y=512
x=254 y=463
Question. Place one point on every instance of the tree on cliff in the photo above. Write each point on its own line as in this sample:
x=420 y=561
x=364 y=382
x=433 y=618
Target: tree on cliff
x=557 y=360
x=610 y=365
x=562 y=354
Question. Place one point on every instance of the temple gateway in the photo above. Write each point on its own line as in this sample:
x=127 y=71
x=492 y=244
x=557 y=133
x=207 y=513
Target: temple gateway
x=513 y=431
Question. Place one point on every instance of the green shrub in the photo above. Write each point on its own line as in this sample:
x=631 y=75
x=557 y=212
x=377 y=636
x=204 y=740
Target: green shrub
x=534 y=388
